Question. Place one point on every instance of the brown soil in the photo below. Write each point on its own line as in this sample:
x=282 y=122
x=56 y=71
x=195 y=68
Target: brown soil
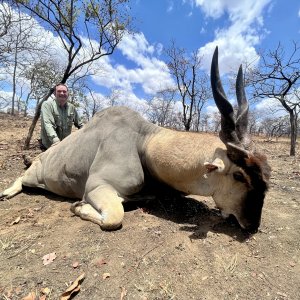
x=168 y=248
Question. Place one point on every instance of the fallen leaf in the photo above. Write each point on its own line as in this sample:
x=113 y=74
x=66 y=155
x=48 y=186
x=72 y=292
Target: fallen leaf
x=292 y=264
x=73 y=288
x=30 y=213
x=9 y=293
x=48 y=258
x=100 y=262
x=16 y=221
x=105 y=275
x=18 y=290
x=123 y=293
x=46 y=291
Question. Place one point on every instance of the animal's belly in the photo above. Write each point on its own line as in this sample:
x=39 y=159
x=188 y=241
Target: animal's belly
x=64 y=181
x=69 y=187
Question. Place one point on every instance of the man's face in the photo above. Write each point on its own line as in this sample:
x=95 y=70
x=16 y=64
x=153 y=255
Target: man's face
x=61 y=93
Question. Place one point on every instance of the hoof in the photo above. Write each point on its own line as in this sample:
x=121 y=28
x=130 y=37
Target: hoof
x=111 y=227
x=76 y=206
x=27 y=160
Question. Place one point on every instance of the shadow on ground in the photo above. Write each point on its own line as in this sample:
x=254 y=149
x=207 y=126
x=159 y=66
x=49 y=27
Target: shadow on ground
x=194 y=216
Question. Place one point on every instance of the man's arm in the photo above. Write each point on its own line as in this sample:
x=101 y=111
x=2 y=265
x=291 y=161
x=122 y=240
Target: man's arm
x=77 y=120
x=48 y=121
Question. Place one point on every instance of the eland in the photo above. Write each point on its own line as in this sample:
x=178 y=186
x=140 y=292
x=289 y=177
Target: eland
x=114 y=154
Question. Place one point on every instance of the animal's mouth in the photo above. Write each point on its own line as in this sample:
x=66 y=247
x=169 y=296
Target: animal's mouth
x=247 y=228
x=225 y=215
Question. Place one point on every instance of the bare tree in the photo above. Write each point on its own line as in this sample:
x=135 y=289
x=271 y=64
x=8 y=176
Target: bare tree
x=6 y=21
x=82 y=96
x=278 y=77
x=275 y=126
x=203 y=94
x=162 y=108
x=20 y=49
x=113 y=98
x=88 y=30
x=40 y=77
x=25 y=45
x=5 y=24
x=91 y=104
x=254 y=117
x=216 y=122
x=192 y=84
x=10 y=42
x=204 y=123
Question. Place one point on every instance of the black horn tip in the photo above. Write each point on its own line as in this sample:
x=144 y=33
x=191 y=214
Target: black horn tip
x=240 y=72
x=240 y=86
x=240 y=79
x=215 y=55
x=214 y=71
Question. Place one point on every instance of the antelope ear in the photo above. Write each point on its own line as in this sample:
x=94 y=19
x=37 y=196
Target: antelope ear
x=216 y=165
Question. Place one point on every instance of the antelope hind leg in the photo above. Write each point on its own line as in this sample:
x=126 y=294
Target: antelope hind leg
x=101 y=206
x=13 y=190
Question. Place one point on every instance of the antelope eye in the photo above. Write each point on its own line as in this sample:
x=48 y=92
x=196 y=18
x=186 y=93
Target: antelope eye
x=238 y=176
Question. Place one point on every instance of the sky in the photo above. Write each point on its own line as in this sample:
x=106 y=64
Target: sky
x=240 y=28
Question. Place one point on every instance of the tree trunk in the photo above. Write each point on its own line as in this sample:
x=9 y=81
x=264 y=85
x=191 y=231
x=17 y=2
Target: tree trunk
x=13 y=100
x=26 y=103
x=187 y=125
x=35 y=119
x=293 y=122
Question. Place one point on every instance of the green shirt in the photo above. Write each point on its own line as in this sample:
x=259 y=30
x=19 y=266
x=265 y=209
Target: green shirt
x=56 y=121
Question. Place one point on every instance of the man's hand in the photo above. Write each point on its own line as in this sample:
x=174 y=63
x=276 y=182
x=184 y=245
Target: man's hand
x=54 y=144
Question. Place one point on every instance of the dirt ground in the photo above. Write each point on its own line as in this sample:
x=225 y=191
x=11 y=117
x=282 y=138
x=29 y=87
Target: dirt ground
x=168 y=248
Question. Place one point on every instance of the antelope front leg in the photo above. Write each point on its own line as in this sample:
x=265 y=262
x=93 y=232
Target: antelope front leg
x=102 y=206
x=13 y=190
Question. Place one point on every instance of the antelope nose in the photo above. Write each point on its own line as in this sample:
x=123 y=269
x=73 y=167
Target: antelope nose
x=251 y=229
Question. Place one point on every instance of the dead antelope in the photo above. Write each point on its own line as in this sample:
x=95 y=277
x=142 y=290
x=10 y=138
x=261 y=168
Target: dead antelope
x=112 y=156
